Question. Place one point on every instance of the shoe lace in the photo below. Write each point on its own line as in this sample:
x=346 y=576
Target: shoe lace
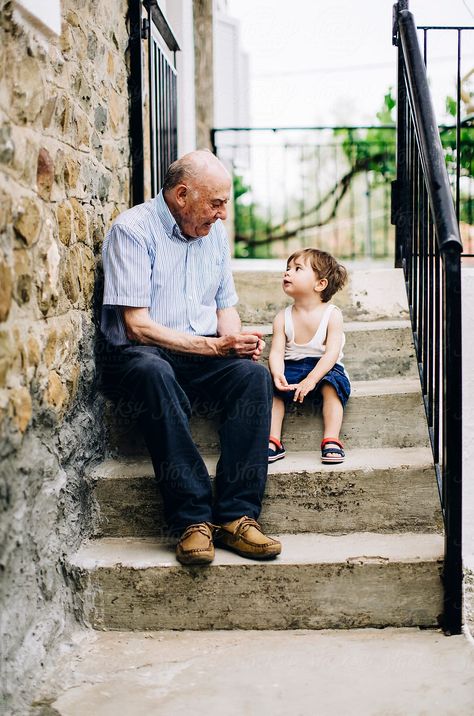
x=244 y=524
x=202 y=527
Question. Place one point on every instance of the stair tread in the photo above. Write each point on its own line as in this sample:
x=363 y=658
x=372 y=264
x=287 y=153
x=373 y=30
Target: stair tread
x=358 y=459
x=308 y=548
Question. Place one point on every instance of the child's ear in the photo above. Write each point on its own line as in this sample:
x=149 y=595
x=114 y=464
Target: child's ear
x=320 y=284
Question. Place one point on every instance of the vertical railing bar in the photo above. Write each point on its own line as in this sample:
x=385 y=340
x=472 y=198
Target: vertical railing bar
x=430 y=343
x=437 y=322
x=458 y=127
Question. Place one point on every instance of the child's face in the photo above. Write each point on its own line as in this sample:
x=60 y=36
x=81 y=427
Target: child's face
x=300 y=278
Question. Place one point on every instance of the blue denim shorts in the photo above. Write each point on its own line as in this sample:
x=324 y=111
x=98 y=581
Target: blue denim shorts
x=296 y=370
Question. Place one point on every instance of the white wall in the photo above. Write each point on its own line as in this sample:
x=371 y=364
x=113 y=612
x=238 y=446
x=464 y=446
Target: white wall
x=180 y=16
x=231 y=75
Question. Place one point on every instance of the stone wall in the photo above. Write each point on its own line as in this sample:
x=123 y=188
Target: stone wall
x=64 y=175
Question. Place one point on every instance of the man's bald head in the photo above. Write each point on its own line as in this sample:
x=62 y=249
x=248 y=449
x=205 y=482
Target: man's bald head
x=194 y=168
x=196 y=189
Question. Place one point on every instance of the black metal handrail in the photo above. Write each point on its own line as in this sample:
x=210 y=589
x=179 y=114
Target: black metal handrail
x=428 y=248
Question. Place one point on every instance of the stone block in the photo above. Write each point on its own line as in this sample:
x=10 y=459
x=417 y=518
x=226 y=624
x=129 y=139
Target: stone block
x=49 y=110
x=82 y=129
x=70 y=275
x=64 y=218
x=23 y=277
x=44 y=174
x=72 y=170
x=34 y=351
x=7 y=147
x=26 y=161
x=80 y=221
x=20 y=408
x=6 y=356
x=6 y=286
x=27 y=98
x=118 y=113
x=56 y=395
x=48 y=285
x=92 y=46
x=49 y=354
x=5 y=211
x=27 y=221
x=100 y=119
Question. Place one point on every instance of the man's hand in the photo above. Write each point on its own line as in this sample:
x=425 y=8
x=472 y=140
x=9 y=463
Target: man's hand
x=242 y=345
x=303 y=388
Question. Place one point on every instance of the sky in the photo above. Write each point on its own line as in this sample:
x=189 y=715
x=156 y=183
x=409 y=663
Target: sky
x=319 y=62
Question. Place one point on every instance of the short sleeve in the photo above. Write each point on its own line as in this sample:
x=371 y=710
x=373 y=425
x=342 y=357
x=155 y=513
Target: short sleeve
x=127 y=269
x=226 y=295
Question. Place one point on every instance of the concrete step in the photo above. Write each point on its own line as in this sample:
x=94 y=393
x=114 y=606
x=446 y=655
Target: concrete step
x=391 y=490
x=374 y=349
x=380 y=413
x=370 y=294
x=319 y=582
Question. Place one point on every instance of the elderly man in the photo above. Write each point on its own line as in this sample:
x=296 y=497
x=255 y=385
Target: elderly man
x=174 y=337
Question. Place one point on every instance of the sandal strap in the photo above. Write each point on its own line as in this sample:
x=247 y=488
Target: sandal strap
x=332 y=450
x=333 y=441
x=275 y=442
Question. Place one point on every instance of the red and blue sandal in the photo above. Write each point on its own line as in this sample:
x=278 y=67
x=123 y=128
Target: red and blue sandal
x=279 y=451
x=332 y=455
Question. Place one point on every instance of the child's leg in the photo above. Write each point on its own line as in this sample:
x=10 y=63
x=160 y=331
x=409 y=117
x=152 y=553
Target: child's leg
x=278 y=413
x=332 y=413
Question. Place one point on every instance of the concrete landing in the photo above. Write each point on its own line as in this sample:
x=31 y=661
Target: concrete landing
x=389 y=672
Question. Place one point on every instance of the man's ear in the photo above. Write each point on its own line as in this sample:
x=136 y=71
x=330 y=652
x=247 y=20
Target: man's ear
x=181 y=192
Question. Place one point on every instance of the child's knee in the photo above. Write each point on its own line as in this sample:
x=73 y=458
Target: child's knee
x=328 y=391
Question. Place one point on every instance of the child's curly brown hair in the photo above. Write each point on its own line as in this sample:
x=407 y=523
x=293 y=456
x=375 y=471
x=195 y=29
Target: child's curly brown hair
x=325 y=266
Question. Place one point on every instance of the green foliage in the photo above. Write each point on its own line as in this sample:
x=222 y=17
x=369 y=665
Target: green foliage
x=248 y=223
x=451 y=106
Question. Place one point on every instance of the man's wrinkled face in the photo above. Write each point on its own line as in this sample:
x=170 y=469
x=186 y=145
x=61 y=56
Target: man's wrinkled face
x=205 y=202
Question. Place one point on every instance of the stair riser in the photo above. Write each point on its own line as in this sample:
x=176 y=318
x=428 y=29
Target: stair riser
x=327 y=596
x=368 y=295
x=370 y=421
x=392 y=500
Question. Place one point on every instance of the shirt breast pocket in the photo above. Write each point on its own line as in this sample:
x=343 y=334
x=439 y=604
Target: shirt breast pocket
x=211 y=277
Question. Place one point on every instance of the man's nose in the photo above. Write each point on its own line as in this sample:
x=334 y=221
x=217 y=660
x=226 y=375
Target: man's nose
x=222 y=213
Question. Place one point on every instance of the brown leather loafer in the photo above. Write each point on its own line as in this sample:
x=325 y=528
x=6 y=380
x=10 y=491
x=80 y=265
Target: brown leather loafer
x=195 y=545
x=245 y=537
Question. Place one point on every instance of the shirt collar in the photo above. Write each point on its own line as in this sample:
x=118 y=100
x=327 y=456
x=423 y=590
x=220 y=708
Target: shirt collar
x=166 y=217
x=169 y=222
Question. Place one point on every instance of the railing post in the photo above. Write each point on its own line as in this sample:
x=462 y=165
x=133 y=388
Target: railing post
x=400 y=206
x=452 y=458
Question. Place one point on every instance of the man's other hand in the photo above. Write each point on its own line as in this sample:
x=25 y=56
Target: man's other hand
x=242 y=345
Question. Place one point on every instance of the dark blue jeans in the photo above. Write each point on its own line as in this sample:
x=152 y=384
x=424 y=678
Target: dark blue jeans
x=164 y=387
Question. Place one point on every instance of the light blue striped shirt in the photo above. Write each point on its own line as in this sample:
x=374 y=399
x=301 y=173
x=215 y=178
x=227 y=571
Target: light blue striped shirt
x=148 y=263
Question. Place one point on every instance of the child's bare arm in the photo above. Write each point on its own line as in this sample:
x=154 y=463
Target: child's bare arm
x=327 y=361
x=276 y=360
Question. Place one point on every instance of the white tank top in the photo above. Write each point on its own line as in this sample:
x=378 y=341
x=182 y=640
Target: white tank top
x=316 y=347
